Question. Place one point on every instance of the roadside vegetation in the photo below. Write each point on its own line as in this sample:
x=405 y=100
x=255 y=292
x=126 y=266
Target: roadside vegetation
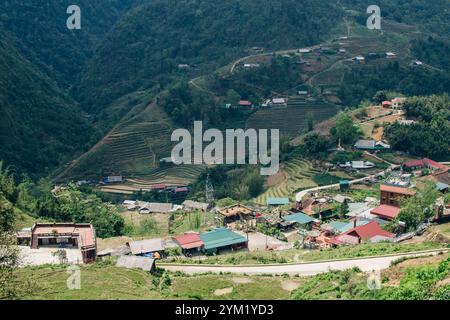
x=303 y=255
x=411 y=279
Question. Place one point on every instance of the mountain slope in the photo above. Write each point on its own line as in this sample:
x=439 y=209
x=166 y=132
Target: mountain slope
x=39 y=124
x=145 y=47
x=45 y=40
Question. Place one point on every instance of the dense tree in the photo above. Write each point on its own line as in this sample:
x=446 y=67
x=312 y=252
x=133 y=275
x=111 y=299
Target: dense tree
x=345 y=129
x=315 y=146
x=428 y=136
x=418 y=208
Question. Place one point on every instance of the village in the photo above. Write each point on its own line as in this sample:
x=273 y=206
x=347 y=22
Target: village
x=320 y=218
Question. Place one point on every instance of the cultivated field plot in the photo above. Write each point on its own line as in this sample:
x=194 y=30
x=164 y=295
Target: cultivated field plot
x=298 y=174
x=180 y=175
x=292 y=119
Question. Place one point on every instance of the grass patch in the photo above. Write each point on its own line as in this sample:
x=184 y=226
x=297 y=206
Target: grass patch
x=323 y=179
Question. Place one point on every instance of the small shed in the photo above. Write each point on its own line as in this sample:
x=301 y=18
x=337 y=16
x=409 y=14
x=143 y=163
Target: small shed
x=344 y=185
x=194 y=205
x=133 y=262
x=277 y=201
x=143 y=247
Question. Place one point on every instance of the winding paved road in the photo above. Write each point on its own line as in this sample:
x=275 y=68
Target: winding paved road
x=302 y=269
x=299 y=196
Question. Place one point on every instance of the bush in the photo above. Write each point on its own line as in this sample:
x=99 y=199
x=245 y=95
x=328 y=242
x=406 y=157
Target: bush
x=175 y=251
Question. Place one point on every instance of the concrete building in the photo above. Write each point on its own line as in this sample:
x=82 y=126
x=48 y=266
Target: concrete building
x=65 y=235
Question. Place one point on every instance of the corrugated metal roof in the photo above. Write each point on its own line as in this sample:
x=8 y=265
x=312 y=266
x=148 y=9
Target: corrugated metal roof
x=300 y=218
x=189 y=240
x=277 y=201
x=441 y=186
x=363 y=144
x=399 y=190
x=196 y=205
x=146 y=246
x=369 y=230
x=386 y=211
x=221 y=237
x=133 y=262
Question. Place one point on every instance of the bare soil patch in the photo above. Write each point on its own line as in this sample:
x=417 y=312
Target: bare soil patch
x=224 y=291
x=290 y=285
x=242 y=280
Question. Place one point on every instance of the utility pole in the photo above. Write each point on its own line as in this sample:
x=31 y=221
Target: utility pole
x=209 y=190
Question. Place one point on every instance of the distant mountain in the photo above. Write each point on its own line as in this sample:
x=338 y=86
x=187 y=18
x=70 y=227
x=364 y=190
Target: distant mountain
x=62 y=90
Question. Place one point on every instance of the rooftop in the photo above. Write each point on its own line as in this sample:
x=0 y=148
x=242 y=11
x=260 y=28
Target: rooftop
x=84 y=231
x=133 y=262
x=399 y=190
x=146 y=246
x=277 y=201
x=234 y=210
x=300 y=218
x=221 y=237
x=196 y=205
x=368 y=231
x=189 y=240
x=386 y=211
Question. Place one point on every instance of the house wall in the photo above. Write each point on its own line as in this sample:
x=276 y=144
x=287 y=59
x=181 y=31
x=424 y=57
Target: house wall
x=391 y=198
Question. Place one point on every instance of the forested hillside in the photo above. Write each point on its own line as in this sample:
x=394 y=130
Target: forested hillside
x=42 y=125
x=40 y=28
x=62 y=90
x=39 y=125
x=428 y=16
x=145 y=47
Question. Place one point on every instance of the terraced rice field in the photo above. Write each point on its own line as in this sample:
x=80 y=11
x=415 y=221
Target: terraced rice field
x=174 y=176
x=298 y=175
x=139 y=141
x=291 y=120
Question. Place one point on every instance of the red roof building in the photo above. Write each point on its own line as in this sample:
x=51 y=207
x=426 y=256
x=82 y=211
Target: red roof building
x=386 y=212
x=426 y=163
x=386 y=103
x=367 y=232
x=245 y=103
x=189 y=241
x=158 y=186
x=181 y=190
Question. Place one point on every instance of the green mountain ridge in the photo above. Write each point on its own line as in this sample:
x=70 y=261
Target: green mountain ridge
x=128 y=52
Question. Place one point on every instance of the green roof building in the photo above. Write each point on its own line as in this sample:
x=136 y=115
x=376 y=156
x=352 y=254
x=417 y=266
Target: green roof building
x=222 y=238
x=299 y=218
x=277 y=201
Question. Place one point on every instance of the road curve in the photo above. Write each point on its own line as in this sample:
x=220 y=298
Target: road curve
x=301 y=269
x=299 y=196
